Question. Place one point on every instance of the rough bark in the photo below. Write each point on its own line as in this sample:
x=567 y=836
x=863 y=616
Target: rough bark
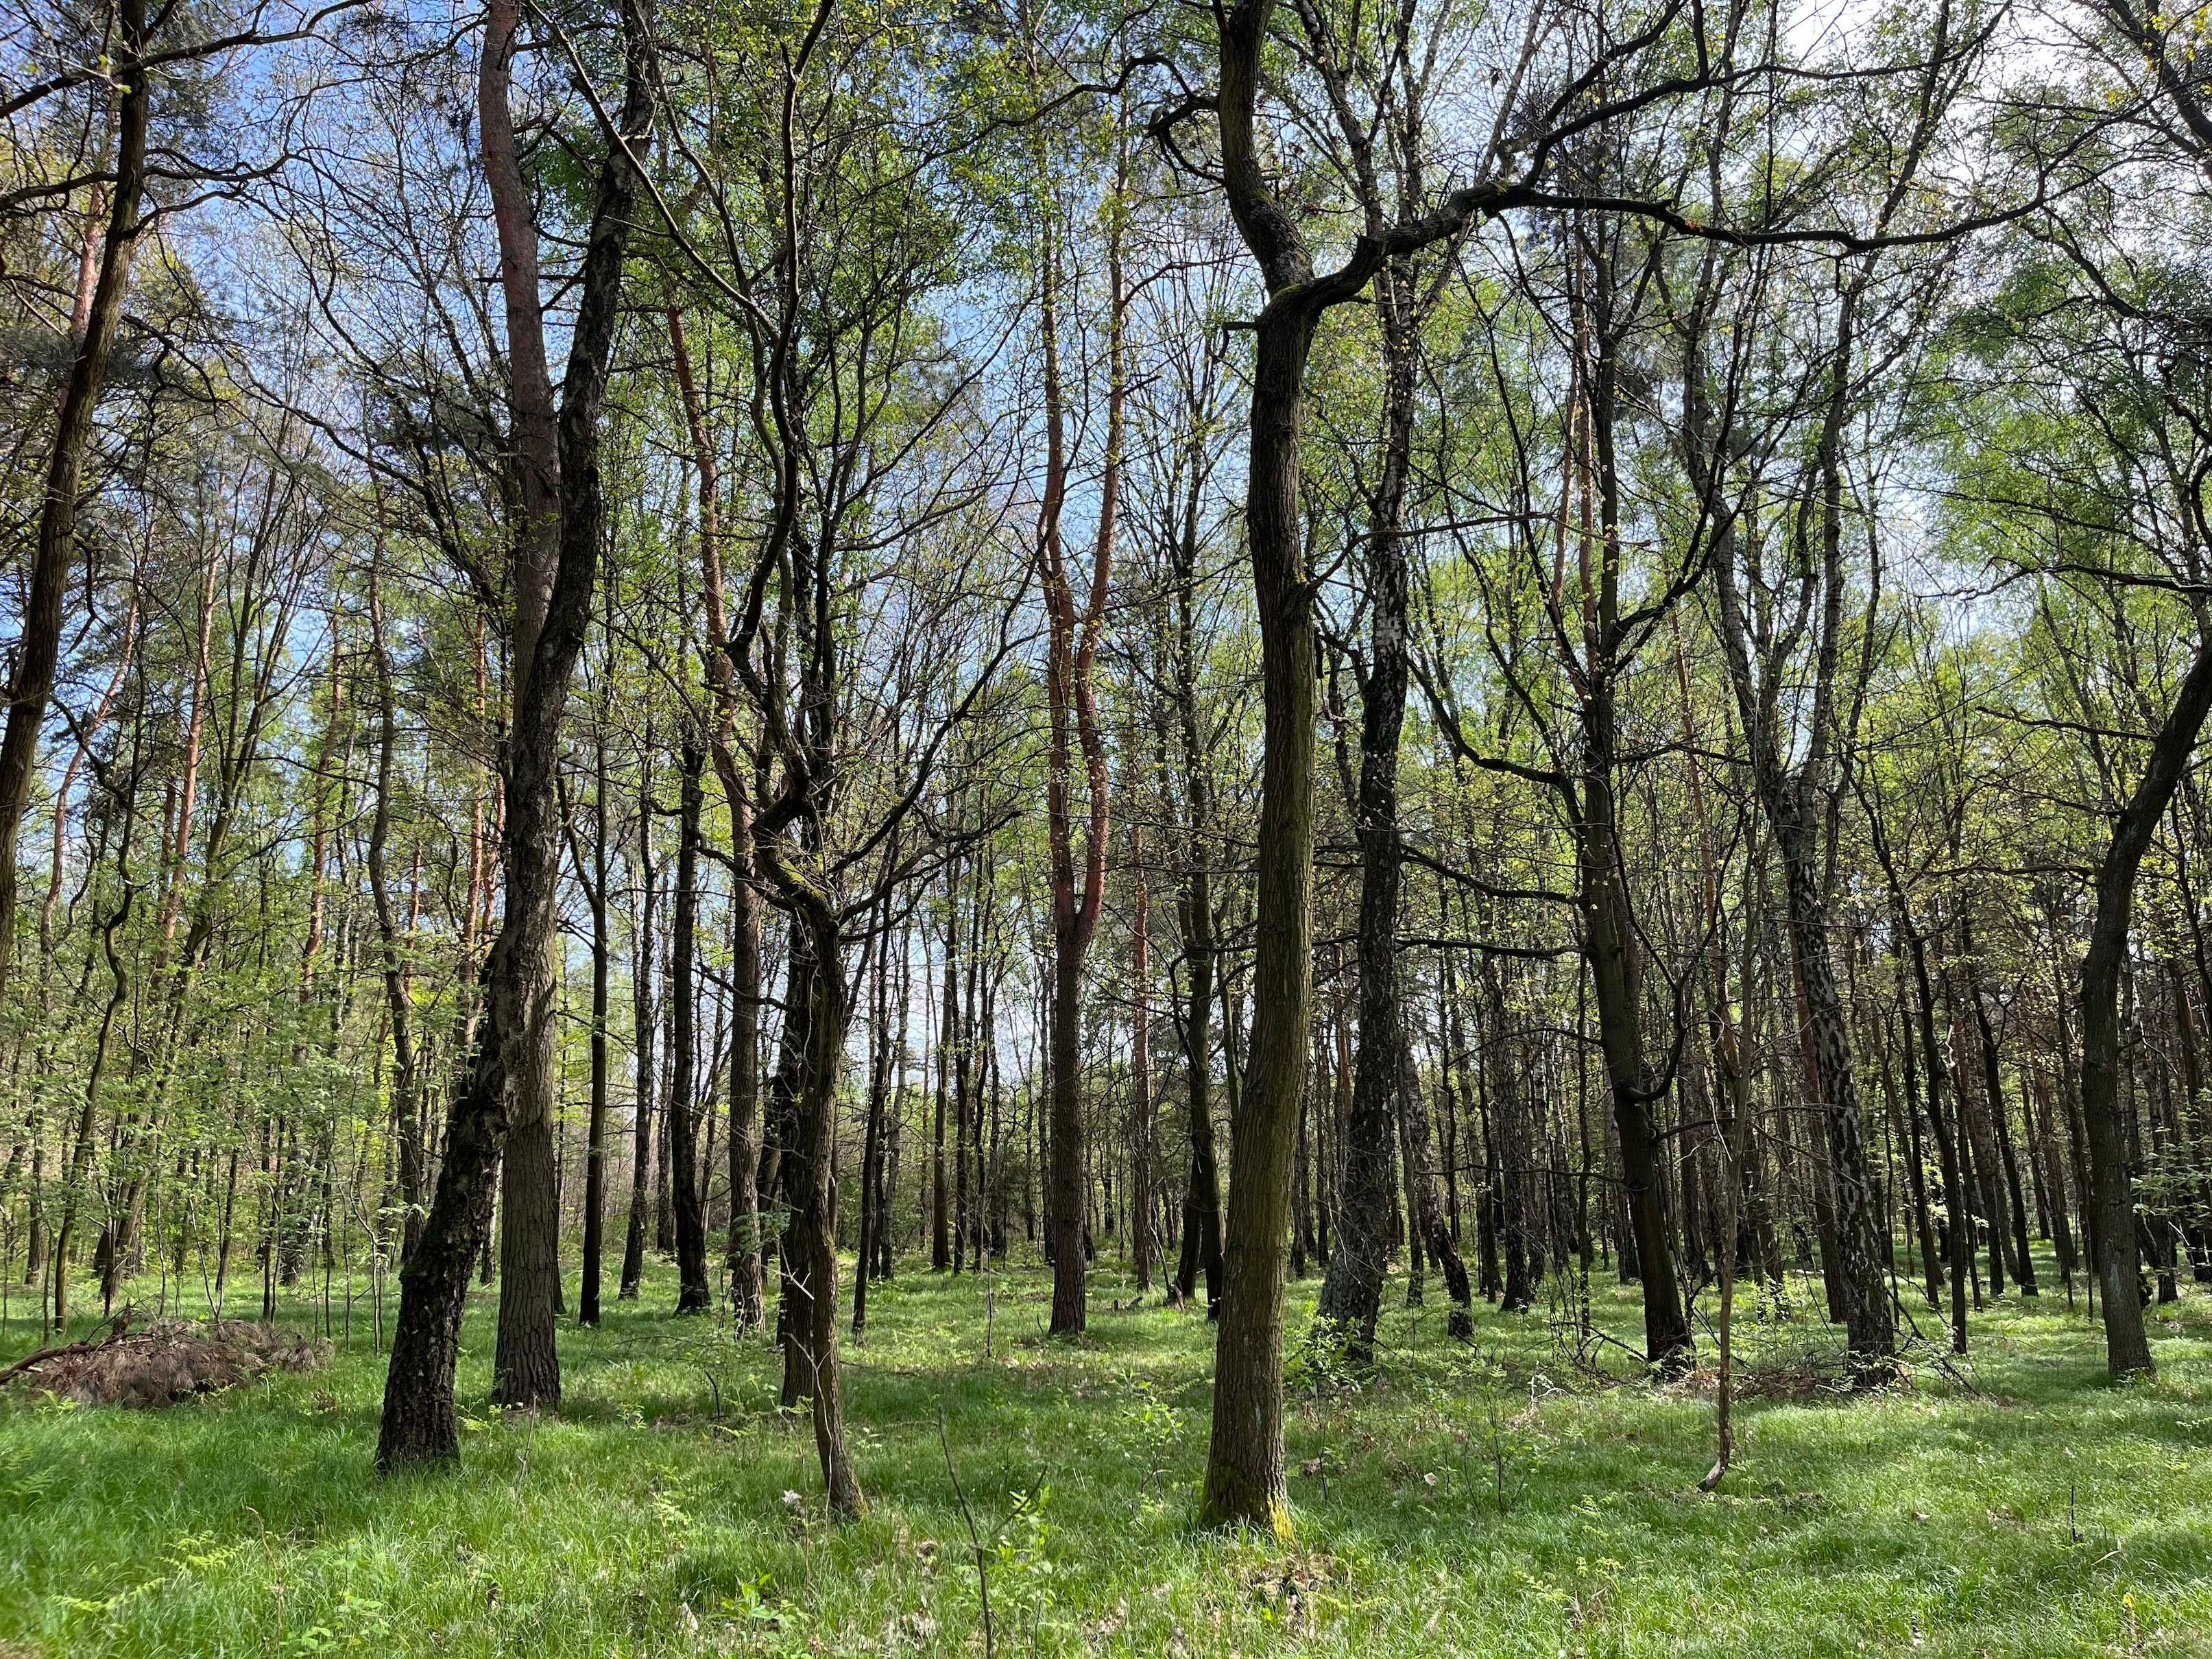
x=810 y=1349
x=420 y=1421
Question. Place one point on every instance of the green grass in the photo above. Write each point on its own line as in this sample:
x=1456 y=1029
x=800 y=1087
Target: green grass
x=1505 y=1502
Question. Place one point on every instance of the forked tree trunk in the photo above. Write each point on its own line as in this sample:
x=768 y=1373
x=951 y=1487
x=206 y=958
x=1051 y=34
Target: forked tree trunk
x=1793 y=800
x=1070 y=693
x=420 y=1421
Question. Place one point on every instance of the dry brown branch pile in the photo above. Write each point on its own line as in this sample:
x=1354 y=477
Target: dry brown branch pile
x=165 y=1361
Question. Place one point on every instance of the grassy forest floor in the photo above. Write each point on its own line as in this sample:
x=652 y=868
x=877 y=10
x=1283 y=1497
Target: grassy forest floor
x=1500 y=1500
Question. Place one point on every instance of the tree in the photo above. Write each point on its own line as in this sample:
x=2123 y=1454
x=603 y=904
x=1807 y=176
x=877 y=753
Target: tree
x=510 y=1058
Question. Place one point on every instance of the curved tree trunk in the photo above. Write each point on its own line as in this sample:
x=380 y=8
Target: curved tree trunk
x=2111 y=1183
x=526 y=1370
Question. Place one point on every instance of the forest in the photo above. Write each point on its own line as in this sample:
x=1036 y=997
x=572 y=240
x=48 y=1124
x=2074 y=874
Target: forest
x=1089 y=827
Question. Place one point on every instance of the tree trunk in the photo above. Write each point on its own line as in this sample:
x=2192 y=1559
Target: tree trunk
x=2111 y=1183
x=1201 y=1211
x=743 y=1248
x=1611 y=948
x=940 y=1216
x=1140 y=1069
x=398 y=996
x=811 y=1350
x=694 y=1295
x=645 y=1019
x=420 y=1421
x=1869 y=1324
x=595 y=1137
x=1072 y=695
x=749 y=1290
x=1245 y=1481
x=38 y=648
x=1351 y=1290
x=1432 y=1224
x=2023 y=1264
x=1793 y=800
x=879 y=1064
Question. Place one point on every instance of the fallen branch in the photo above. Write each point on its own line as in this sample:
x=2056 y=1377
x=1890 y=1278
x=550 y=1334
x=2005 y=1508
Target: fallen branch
x=43 y=1355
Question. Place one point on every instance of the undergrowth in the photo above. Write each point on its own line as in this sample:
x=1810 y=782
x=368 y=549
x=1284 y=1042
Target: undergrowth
x=1526 y=1495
